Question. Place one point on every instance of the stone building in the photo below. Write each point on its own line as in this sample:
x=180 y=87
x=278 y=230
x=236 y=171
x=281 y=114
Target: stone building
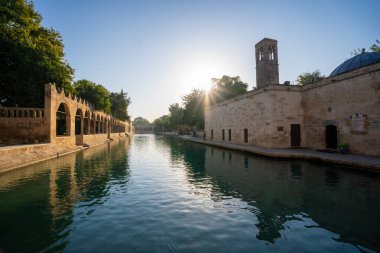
x=343 y=108
x=64 y=120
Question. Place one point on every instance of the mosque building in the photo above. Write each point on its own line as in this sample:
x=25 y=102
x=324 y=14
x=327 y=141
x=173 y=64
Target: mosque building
x=342 y=109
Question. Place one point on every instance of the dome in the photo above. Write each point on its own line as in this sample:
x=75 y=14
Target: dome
x=356 y=62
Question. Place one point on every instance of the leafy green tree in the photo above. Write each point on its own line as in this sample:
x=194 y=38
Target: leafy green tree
x=309 y=78
x=119 y=105
x=175 y=115
x=94 y=93
x=227 y=87
x=162 y=124
x=375 y=47
x=30 y=56
x=141 y=122
x=193 y=112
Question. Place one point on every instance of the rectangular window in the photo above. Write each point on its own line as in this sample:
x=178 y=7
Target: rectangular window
x=229 y=134
x=212 y=134
x=245 y=135
x=223 y=134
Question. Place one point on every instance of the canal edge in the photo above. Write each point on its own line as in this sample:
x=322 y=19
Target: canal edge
x=308 y=157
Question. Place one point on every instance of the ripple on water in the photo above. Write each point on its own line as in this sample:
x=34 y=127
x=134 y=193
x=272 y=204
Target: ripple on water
x=159 y=194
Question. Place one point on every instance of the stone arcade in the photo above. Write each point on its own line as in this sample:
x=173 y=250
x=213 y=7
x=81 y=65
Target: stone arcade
x=342 y=108
x=64 y=120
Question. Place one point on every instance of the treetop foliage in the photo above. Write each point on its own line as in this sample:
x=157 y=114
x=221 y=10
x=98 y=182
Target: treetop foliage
x=109 y=102
x=30 y=55
x=226 y=87
x=141 y=122
x=309 y=78
x=191 y=114
x=94 y=93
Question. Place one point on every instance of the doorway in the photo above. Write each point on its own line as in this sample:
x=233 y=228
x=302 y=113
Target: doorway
x=295 y=135
x=331 y=137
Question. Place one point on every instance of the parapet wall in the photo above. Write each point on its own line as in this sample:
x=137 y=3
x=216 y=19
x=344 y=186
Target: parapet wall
x=23 y=125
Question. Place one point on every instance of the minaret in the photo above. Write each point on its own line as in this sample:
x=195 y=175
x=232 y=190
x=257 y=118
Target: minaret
x=266 y=63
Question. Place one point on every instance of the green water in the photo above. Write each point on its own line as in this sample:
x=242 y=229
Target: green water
x=163 y=194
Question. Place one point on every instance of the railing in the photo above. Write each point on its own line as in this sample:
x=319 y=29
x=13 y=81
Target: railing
x=18 y=112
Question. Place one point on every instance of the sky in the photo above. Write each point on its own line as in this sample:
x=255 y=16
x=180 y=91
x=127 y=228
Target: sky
x=158 y=51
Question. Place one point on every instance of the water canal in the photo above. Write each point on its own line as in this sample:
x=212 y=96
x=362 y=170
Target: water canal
x=163 y=194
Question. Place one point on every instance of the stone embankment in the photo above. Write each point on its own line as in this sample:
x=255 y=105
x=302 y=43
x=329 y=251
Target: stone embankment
x=12 y=157
x=355 y=161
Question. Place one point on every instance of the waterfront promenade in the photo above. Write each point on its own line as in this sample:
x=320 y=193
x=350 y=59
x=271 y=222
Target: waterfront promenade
x=356 y=161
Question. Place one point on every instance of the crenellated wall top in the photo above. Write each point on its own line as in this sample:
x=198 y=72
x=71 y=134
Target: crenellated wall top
x=72 y=101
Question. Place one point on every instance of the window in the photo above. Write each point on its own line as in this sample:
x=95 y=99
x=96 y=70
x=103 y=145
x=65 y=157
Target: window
x=223 y=134
x=229 y=134
x=245 y=135
x=212 y=134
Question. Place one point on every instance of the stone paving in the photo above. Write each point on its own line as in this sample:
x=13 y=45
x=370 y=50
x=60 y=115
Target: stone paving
x=359 y=161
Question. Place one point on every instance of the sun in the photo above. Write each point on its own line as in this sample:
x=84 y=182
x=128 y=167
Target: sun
x=198 y=75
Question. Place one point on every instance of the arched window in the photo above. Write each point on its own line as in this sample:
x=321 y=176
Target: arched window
x=78 y=122
x=86 y=129
x=61 y=122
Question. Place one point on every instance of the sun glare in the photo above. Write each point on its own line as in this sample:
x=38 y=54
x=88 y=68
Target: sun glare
x=199 y=74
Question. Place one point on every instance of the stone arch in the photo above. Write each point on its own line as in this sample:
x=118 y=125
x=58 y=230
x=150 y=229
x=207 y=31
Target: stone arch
x=78 y=122
x=92 y=125
x=97 y=119
x=62 y=120
x=104 y=125
x=87 y=122
x=101 y=125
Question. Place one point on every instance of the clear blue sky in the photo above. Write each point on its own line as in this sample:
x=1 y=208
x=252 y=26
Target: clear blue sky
x=158 y=51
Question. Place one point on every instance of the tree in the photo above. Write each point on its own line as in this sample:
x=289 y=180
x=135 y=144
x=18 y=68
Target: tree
x=309 y=78
x=375 y=47
x=175 y=115
x=94 y=93
x=119 y=105
x=193 y=112
x=30 y=56
x=162 y=124
x=227 y=87
x=141 y=122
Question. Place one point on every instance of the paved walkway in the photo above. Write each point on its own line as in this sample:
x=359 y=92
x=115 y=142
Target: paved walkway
x=364 y=162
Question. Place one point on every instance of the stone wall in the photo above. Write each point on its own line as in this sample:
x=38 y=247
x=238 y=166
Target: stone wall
x=336 y=101
x=23 y=125
x=350 y=102
x=266 y=114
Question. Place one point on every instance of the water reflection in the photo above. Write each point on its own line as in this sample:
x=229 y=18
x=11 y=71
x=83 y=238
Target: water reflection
x=167 y=195
x=38 y=202
x=284 y=194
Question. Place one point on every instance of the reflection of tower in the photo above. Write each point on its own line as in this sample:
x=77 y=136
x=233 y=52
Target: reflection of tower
x=266 y=63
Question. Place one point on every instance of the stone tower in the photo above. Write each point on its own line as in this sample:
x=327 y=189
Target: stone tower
x=266 y=63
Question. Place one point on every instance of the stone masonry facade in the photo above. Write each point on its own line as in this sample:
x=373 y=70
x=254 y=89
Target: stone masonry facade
x=343 y=109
